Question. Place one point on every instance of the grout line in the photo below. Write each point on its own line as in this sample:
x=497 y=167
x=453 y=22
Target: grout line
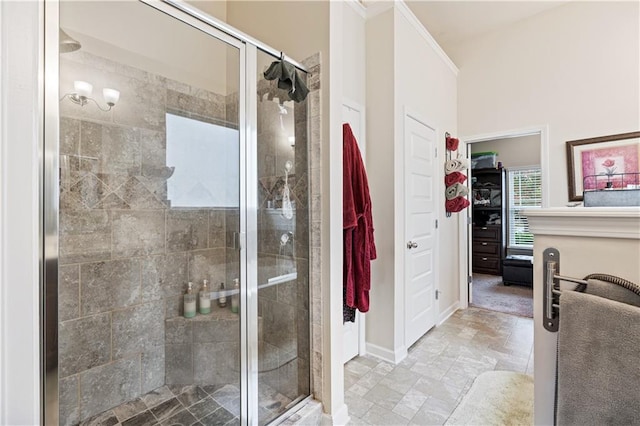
x=140 y=359
x=79 y=310
x=111 y=336
x=79 y=395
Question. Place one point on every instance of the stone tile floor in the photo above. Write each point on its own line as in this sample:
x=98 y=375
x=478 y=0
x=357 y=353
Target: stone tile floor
x=175 y=405
x=187 y=405
x=428 y=384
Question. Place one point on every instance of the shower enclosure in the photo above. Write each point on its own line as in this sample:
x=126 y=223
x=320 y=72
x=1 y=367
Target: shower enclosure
x=171 y=160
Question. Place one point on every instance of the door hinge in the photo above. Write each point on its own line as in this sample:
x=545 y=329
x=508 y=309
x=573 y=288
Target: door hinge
x=469 y=279
x=437 y=294
x=436 y=223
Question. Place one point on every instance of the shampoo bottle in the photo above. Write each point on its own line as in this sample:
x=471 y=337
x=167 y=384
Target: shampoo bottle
x=235 y=297
x=205 y=299
x=222 y=301
x=189 y=302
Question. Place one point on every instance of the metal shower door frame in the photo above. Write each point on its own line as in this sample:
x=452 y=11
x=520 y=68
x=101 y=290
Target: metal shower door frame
x=49 y=196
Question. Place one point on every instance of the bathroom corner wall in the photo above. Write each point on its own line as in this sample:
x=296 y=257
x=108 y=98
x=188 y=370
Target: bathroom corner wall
x=125 y=253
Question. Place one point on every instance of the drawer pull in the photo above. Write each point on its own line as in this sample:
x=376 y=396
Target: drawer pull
x=484 y=258
x=484 y=244
x=484 y=228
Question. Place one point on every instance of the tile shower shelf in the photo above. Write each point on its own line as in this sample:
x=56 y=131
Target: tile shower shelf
x=217 y=314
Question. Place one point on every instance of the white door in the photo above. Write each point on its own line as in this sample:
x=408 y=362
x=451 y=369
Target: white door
x=420 y=228
x=353 y=340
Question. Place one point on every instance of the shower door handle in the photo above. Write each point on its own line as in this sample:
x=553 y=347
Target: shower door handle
x=237 y=240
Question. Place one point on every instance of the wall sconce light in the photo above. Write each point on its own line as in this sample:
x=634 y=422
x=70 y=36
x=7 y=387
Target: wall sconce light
x=82 y=95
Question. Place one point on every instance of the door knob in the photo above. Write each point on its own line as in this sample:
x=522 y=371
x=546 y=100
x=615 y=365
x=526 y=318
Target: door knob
x=411 y=245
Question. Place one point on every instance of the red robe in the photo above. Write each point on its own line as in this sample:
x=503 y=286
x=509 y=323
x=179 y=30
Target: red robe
x=359 y=247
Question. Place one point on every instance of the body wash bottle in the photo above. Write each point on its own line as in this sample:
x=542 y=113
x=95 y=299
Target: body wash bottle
x=189 y=302
x=222 y=301
x=205 y=299
x=235 y=297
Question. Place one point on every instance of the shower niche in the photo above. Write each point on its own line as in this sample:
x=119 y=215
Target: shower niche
x=161 y=185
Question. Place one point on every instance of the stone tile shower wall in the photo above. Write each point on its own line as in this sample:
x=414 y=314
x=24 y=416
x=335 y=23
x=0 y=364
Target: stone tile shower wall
x=314 y=140
x=126 y=255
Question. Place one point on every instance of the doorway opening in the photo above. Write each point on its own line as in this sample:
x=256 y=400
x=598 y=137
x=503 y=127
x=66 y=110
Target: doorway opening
x=505 y=180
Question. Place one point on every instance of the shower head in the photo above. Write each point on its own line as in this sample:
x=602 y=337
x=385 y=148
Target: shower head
x=68 y=44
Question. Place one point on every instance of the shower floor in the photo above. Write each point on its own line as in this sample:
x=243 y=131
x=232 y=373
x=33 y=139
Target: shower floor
x=178 y=405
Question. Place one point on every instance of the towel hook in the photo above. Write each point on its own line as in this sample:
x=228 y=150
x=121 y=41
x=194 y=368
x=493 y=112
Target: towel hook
x=282 y=56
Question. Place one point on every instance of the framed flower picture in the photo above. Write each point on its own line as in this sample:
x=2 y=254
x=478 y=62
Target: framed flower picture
x=606 y=162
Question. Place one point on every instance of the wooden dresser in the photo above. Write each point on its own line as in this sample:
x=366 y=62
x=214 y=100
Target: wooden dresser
x=488 y=232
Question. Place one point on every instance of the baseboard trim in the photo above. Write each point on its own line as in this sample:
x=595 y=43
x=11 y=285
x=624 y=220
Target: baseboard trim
x=448 y=312
x=340 y=417
x=386 y=354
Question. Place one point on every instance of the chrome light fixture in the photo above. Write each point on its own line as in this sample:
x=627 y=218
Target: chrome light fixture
x=83 y=91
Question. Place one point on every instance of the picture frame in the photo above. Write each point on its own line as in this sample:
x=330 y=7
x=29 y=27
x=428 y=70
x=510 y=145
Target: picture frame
x=605 y=162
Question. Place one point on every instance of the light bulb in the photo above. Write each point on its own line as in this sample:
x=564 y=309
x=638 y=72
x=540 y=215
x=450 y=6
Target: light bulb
x=111 y=96
x=82 y=88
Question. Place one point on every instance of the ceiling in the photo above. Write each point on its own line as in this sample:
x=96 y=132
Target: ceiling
x=452 y=22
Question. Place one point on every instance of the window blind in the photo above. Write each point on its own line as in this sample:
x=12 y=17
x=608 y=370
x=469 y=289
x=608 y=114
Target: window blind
x=525 y=192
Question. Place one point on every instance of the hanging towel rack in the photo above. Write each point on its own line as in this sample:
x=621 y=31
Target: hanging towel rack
x=551 y=287
x=456 y=200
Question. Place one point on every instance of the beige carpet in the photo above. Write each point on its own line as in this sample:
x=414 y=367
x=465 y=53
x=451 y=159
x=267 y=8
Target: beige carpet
x=490 y=293
x=496 y=398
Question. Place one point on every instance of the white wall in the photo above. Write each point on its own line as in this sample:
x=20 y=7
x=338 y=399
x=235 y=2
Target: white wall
x=426 y=83
x=404 y=72
x=380 y=75
x=299 y=28
x=513 y=152
x=168 y=53
x=19 y=223
x=589 y=240
x=574 y=68
x=215 y=8
x=353 y=52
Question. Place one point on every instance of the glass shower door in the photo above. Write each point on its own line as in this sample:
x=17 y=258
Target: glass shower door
x=149 y=207
x=282 y=248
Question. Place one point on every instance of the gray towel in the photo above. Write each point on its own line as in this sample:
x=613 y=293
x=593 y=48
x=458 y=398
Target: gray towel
x=613 y=292
x=455 y=165
x=598 y=368
x=456 y=190
x=288 y=80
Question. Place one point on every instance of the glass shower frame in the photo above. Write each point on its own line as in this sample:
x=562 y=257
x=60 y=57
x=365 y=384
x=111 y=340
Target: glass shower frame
x=248 y=211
